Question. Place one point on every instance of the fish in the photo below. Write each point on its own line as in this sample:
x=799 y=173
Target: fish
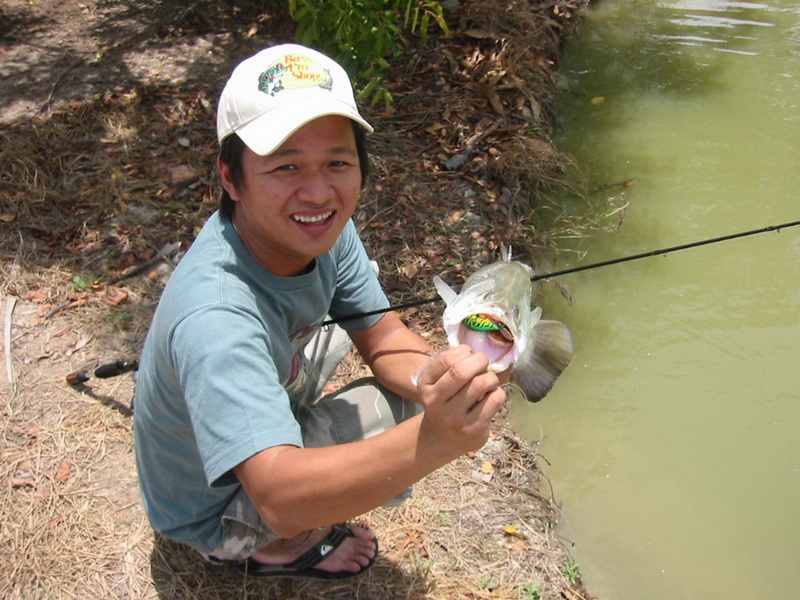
x=493 y=314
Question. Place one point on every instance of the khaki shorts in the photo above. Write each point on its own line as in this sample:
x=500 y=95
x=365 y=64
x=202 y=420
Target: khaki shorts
x=358 y=411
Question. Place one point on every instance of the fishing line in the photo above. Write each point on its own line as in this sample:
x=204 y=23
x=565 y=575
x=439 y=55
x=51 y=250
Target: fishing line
x=597 y=265
x=664 y=251
x=119 y=367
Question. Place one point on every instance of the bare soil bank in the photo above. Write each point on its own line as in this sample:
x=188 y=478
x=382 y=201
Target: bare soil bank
x=106 y=114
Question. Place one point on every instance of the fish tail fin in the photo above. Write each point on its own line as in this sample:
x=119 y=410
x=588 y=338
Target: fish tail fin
x=447 y=293
x=537 y=371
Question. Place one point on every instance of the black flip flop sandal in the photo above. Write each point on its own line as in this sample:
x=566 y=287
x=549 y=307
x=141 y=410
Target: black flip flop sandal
x=304 y=566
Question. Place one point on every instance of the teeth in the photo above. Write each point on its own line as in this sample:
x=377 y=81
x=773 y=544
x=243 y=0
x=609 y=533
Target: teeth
x=316 y=219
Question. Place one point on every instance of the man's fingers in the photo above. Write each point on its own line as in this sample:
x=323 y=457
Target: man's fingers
x=451 y=359
x=440 y=364
x=488 y=406
x=458 y=378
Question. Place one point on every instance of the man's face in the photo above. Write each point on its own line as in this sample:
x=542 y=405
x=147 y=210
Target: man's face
x=293 y=204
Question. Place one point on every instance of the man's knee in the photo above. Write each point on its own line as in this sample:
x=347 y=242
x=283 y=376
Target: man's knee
x=357 y=411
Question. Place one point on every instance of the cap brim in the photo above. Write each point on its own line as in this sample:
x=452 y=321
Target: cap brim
x=265 y=134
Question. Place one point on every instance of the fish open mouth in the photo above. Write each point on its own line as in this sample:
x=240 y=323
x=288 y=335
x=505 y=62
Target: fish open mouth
x=484 y=333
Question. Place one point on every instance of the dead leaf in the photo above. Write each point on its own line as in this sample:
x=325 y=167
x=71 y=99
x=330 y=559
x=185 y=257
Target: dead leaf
x=519 y=545
x=410 y=271
x=43 y=492
x=76 y=303
x=487 y=90
x=63 y=472
x=515 y=545
x=78 y=345
x=7 y=217
x=114 y=296
x=434 y=128
x=512 y=531
x=598 y=100
x=19 y=482
x=411 y=538
x=487 y=468
x=35 y=296
x=481 y=34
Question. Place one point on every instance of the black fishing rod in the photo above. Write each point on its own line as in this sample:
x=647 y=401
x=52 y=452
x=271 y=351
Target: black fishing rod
x=123 y=366
x=597 y=265
x=118 y=367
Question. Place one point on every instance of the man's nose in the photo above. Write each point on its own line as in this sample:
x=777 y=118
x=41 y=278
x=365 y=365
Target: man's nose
x=316 y=188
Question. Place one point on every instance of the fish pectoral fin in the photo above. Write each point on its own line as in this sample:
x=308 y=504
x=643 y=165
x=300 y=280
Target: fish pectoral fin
x=537 y=371
x=447 y=293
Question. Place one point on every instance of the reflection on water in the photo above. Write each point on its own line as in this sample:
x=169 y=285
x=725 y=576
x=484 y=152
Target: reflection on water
x=701 y=20
x=673 y=437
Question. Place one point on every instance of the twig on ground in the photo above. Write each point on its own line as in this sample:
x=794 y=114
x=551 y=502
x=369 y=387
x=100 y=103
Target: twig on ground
x=46 y=104
x=165 y=253
x=11 y=301
x=57 y=309
x=459 y=160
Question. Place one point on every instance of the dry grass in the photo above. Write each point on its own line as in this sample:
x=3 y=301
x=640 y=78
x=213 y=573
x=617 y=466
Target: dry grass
x=73 y=527
x=86 y=194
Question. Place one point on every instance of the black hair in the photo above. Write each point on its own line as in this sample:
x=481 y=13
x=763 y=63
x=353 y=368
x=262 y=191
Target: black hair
x=232 y=148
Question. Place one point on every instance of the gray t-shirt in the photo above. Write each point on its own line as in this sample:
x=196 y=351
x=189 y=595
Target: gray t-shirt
x=223 y=366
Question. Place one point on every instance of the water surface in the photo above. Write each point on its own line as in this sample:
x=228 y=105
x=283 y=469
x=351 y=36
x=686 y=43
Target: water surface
x=674 y=437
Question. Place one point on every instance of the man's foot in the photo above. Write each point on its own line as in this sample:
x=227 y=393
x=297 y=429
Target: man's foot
x=334 y=552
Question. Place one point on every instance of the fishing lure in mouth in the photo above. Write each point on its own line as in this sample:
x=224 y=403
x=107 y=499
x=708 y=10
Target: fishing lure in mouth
x=485 y=323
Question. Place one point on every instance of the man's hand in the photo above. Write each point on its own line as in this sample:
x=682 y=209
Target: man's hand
x=460 y=398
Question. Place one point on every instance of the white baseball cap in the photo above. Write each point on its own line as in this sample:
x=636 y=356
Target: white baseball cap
x=272 y=94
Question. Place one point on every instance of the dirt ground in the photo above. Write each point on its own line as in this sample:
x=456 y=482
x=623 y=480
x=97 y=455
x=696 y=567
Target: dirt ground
x=107 y=124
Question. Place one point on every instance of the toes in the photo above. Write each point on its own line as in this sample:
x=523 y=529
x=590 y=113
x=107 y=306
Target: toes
x=361 y=533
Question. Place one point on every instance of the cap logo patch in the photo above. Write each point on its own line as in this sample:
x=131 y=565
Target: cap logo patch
x=294 y=71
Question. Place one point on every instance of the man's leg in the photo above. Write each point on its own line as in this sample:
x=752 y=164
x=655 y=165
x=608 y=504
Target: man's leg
x=260 y=552
x=356 y=412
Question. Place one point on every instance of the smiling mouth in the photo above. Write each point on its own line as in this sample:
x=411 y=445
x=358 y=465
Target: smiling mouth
x=312 y=220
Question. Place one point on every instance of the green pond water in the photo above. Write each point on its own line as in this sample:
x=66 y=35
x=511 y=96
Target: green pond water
x=672 y=441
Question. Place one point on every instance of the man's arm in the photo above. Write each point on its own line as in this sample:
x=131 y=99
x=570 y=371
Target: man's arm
x=298 y=489
x=394 y=353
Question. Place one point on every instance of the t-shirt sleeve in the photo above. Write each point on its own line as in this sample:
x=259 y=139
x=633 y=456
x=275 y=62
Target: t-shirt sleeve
x=232 y=389
x=358 y=289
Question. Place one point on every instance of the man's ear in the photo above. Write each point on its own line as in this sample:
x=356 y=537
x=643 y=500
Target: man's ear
x=225 y=179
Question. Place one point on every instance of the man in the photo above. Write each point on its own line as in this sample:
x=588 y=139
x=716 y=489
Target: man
x=234 y=457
